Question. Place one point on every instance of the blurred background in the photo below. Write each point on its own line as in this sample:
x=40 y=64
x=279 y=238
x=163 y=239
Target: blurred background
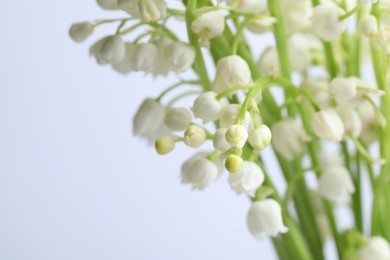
x=74 y=182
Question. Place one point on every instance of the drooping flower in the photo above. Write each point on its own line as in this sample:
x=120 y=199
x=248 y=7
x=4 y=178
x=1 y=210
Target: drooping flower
x=296 y=15
x=80 y=31
x=328 y=124
x=164 y=145
x=335 y=184
x=326 y=22
x=145 y=57
x=247 y=179
x=375 y=248
x=207 y=107
x=219 y=140
x=177 y=119
x=108 y=4
x=368 y=25
x=228 y=115
x=351 y=120
x=180 y=56
x=265 y=219
x=208 y=26
x=199 y=172
x=194 y=136
x=343 y=89
x=126 y=65
x=109 y=50
x=248 y=6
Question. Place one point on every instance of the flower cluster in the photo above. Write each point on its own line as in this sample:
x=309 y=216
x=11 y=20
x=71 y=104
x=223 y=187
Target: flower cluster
x=310 y=92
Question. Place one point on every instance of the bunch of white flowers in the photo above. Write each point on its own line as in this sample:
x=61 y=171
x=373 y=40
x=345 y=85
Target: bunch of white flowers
x=312 y=90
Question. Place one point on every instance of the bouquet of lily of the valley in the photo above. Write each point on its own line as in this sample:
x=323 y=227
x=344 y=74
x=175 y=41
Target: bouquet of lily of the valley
x=317 y=99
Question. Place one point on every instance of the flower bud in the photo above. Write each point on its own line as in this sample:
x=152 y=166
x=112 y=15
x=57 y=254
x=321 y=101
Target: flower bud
x=265 y=219
x=375 y=248
x=219 y=140
x=110 y=49
x=126 y=65
x=231 y=71
x=194 y=136
x=351 y=120
x=164 y=144
x=208 y=26
x=335 y=184
x=149 y=10
x=288 y=138
x=228 y=115
x=236 y=136
x=327 y=124
x=247 y=179
x=233 y=163
x=180 y=56
x=326 y=21
x=296 y=15
x=177 y=119
x=207 y=107
x=368 y=25
x=145 y=57
x=259 y=138
x=199 y=172
x=108 y=4
x=268 y=63
x=80 y=31
x=248 y=6
x=343 y=89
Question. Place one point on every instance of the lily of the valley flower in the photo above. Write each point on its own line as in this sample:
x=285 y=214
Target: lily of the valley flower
x=343 y=89
x=265 y=219
x=248 y=6
x=145 y=57
x=351 y=120
x=126 y=65
x=207 y=107
x=109 y=50
x=180 y=56
x=194 y=136
x=236 y=136
x=247 y=179
x=259 y=138
x=177 y=119
x=327 y=24
x=228 y=115
x=328 y=124
x=208 y=26
x=199 y=172
x=368 y=25
x=108 y=4
x=375 y=248
x=219 y=140
x=80 y=31
x=164 y=144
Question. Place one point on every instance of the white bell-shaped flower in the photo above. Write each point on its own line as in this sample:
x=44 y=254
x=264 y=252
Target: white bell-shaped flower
x=296 y=15
x=351 y=120
x=375 y=248
x=228 y=115
x=248 y=6
x=126 y=65
x=326 y=23
x=149 y=120
x=328 y=124
x=247 y=179
x=219 y=140
x=288 y=138
x=199 y=172
x=231 y=71
x=80 y=31
x=162 y=66
x=177 y=119
x=208 y=26
x=268 y=64
x=236 y=136
x=108 y=4
x=368 y=25
x=207 y=107
x=145 y=57
x=151 y=10
x=259 y=138
x=265 y=219
x=343 y=89
x=109 y=50
x=335 y=184
x=180 y=56
x=194 y=136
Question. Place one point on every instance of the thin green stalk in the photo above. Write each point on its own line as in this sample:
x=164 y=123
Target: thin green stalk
x=357 y=196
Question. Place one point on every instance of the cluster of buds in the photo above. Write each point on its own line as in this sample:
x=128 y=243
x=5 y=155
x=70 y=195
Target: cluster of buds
x=316 y=62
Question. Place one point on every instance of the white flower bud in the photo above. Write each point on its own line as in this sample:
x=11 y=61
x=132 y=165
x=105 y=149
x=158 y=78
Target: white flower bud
x=296 y=15
x=351 y=120
x=180 y=56
x=326 y=22
x=335 y=184
x=207 y=107
x=268 y=63
x=194 y=136
x=343 y=89
x=288 y=138
x=208 y=26
x=236 y=136
x=228 y=115
x=150 y=10
x=368 y=25
x=109 y=50
x=327 y=124
x=145 y=57
x=199 y=172
x=247 y=179
x=248 y=6
x=80 y=31
x=376 y=248
x=219 y=140
x=366 y=2
x=108 y=4
x=233 y=163
x=265 y=219
x=231 y=71
x=177 y=119
x=164 y=144
x=149 y=120
x=126 y=65
x=259 y=138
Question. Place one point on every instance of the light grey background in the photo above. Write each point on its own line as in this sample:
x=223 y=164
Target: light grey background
x=74 y=183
